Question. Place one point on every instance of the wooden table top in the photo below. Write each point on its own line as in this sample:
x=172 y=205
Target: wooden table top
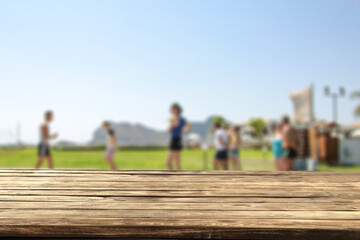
x=78 y=204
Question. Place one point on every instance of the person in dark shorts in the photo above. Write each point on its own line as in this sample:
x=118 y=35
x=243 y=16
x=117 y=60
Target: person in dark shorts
x=44 y=151
x=178 y=126
x=111 y=145
x=290 y=153
x=290 y=144
x=234 y=147
x=221 y=142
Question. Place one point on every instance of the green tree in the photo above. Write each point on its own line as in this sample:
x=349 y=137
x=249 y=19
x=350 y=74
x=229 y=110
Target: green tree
x=258 y=124
x=219 y=119
x=356 y=95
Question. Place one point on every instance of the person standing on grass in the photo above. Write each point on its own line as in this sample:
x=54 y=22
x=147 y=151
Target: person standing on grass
x=44 y=151
x=290 y=144
x=234 y=148
x=277 y=147
x=111 y=145
x=178 y=126
x=221 y=146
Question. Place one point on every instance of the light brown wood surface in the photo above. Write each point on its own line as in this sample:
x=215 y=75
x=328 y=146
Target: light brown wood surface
x=90 y=204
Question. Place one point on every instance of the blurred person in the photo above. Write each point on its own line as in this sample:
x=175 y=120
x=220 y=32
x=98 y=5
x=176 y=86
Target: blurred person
x=44 y=151
x=111 y=145
x=227 y=128
x=290 y=144
x=234 y=148
x=277 y=147
x=303 y=150
x=221 y=145
x=178 y=126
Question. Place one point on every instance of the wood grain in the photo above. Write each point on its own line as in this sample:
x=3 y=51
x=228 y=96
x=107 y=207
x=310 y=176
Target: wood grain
x=80 y=204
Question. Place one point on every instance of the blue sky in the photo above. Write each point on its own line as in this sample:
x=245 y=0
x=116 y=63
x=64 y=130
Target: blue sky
x=128 y=60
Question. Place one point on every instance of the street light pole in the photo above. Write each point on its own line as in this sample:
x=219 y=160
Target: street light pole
x=335 y=97
x=335 y=108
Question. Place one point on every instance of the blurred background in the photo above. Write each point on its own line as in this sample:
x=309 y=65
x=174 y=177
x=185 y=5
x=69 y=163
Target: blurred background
x=247 y=62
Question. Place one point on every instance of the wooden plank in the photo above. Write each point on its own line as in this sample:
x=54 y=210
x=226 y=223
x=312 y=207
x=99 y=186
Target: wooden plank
x=26 y=182
x=344 y=180
x=175 y=229
x=180 y=214
x=69 y=173
x=114 y=205
x=181 y=193
x=121 y=223
x=192 y=232
x=181 y=187
x=172 y=173
x=80 y=204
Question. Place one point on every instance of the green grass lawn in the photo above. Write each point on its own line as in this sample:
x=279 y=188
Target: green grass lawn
x=138 y=159
x=153 y=159
x=324 y=167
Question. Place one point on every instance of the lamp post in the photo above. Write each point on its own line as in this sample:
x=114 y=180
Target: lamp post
x=335 y=96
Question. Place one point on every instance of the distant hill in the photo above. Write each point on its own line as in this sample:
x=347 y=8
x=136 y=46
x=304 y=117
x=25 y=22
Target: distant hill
x=129 y=134
x=202 y=128
x=140 y=135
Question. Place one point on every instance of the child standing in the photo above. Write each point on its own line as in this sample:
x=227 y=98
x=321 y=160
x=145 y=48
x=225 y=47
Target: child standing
x=221 y=145
x=44 y=151
x=111 y=145
x=234 y=149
